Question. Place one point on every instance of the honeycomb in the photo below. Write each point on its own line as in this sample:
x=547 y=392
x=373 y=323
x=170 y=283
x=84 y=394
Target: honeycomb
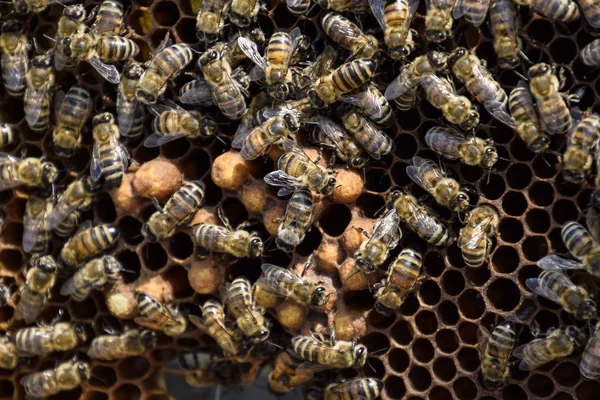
x=429 y=349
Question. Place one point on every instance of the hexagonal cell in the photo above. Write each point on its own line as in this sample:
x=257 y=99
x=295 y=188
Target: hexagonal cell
x=133 y=368
x=504 y=294
x=453 y=282
x=511 y=230
x=186 y=30
x=402 y=332
x=406 y=145
x=471 y=304
x=10 y=259
x=335 y=219
x=376 y=343
x=514 y=203
x=398 y=360
x=468 y=359
x=446 y=341
x=535 y=247
x=440 y=393
x=493 y=188
x=518 y=176
x=464 y=388
x=564 y=211
x=395 y=387
x=380 y=321
x=587 y=390
x=378 y=180
x=430 y=293
x=566 y=374
x=505 y=259
x=419 y=378
x=154 y=256
x=513 y=392
x=127 y=392
x=181 y=246
x=103 y=377
x=166 y=13
x=448 y=313
x=426 y=322
x=444 y=369
x=423 y=350
x=141 y=22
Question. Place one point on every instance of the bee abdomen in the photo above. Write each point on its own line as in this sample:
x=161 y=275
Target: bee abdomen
x=577 y=239
x=562 y=10
x=279 y=48
x=9 y=66
x=8 y=135
x=305 y=347
x=353 y=74
x=111 y=48
x=111 y=15
x=66 y=228
x=111 y=165
x=590 y=361
x=590 y=54
x=173 y=59
x=28 y=341
x=211 y=237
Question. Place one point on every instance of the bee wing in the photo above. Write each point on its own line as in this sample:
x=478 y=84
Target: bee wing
x=96 y=165
x=62 y=209
x=398 y=87
x=265 y=142
x=332 y=130
x=483 y=336
x=477 y=234
x=293 y=3
x=378 y=10
x=469 y=8
x=123 y=154
x=374 y=135
x=60 y=60
x=498 y=111
x=156 y=139
x=510 y=24
x=148 y=323
x=200 y=94
x=108 y=72
x=13 y=77
x=125 y=119
x=250 y=49
x=591 y=9
x=525 y=365
x=295 y=36
x=322 y=65
x=242 y=132
x=69 y=287
x=440 y=138
x=555 y=262
x=426 y=222
x=280 y=178
x=366 y=100
x=33 y=226
x=273 y=284
x=534 y=285
x=592 y=218
x=385 y=224
x=37 y=97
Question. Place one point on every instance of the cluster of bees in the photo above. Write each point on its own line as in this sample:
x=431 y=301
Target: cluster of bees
x=334 y=101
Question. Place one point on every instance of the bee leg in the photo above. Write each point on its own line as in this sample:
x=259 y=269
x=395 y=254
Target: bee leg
x=361 y=230
x=536 y=329
x=157 y=204
x=223 y=217
x=307 y=265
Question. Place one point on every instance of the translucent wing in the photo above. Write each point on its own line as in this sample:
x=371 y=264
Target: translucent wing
x=292 y=4
x=509 y=23
x=399 y=86
x=13 y=76
x=256 y=74
x=69 y=287
x=280 y=178
x=323 y=65
x=534 y=285
x=528 y=365
x=273 y=284
x=123 y=154
x=62 y=209
x=242 y=132
x=34 y=227
x=96 y=165
x=250 y=49
x=37 y=96
x=295 y=36
x=373 y=134
x=416 y=172
x=554 y=262
x=471 y=8
x=445 y=141
x=148 y=323
x=367 y=100
x=60 y=60
x=383 y=226
x=378 y=10
x=157 y=139
x=108 y=72
x=483 y=336
x=265 y=142
x=199 y=94
x=498 y=111
x=423 y=221
x=592 y=217
x=331 y=130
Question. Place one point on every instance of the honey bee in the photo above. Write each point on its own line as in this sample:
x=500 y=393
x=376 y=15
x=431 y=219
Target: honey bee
x=504 y=25
x=93 y=275
x=165 y=65
x=562 y=10
x=211 y=20
x=452 y=145
x=446 y=191
x=528 y=127
x=478 y=81
x=298 y=219
x=239 y=300
x=180 y=208
x=243 y=13
x=351 y=6
x=214 y=324
x=474 y=11
x=494 y=351
x=13 y=45
x=372 y=104
x=172 y=122
x=237 y=242
x=40 y=81
x=109 y=18
x=589 y=366
x=159 y=317
x=457 y=110
x=373 y=252
x=78 y=196
x=354 y=389
x=559 y=342
x=349 y=36
x=88 y=242
x=31 y=6
x=411 y=74
x=474 y=239
x=130 y=113
x=349 y=76
x=286 y=283
x=438 y=20
x=401 y=279
x=36 y=235
x=419 y=218
x=131 y=343
x=590 y=54
x=287 y=373
x=74 y=110
x=581 y=140
x=39 y=280
x=557 y=287
x=298 y=7
x=297 y=169
x=31 y=172
x=591 y=12
x=71 y=23
x=233 y=53
x=372 y=139
x=66 y=376
x=330 y=353
x=257 y=142
x=9 y=135
x=38 y=341
x=345 y=147
x=110 y=159
x=395 y=18
x=9 y=357
x=553 y=111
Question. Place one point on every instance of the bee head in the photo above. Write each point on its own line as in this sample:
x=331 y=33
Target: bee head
x=49 y=173
x=278 y=91
x=399 y=53
x=208 y=57
x=435 y=35
x=360 y=355
x=148 y=339
x=41 y=62
x=12 y=26
x=456 y=54
x=83 y=369
x=238 y=20
x=576 y=336
x=147 y=233
x=256 y=247
x=80 y=332
x=540 y=144
x=104 y=118
x=209 y=126
x=573 y=175
x=392 y=197
x=320 y=297
x=358 y=162
x=257 y=36
x=20 y=6
x=364 y=265
x=438 y=59
x=133 y=71
x=46 y=265
x=383 y=309
x=315 y=100
x=539 y=69
x=328 y=189
x=66 y=46
x=75 y=12
x=291 y=122
x=145 y=96
x=587 y=310
x=283 y=246
x=471 y=121
x=261 y=336
x=490 y=157
x=509 y=63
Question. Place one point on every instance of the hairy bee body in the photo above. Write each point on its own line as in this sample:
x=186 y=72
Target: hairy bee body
x=559 y=342
x=133 y=342
x=332 y=136
x=175 y=123
x=110 y=158
x=495 y=349
x=93 y=275
x=160 y=317
x=404 y=86
x=250 y=319
x=452 y=145
x=30 y=6
x=374 y=251
x=372 y=104
x=591 y=11
x=72 y=115
x=330 y=353
x=31 y=172
x=352 y=6
x=590 y=360
x=9 y=357
x=36 y=234
x=130 y=113
x=562 y=10
x=590 y=54
x=238 y=243
x=578 y=157
x=394 y=18
x=243 y=13
x=286 y=375
x=13 y=46
x=89 y=243
x=210 y=20
x=283 y=282
x=313 y=176
x=354 y=389
x=180 y=208
x=299 y=216
x=529 y=127
x=349 y=36
x=109 y=18
x=349 y=76
x=66 y=376
x=214 y=324
x=38 y=94
x=259 y=140
x=505 y=25
x=76 y=198
x=438 y=20
x=553 y=111
x=9 y=135
x=62 y=336
x=474 y=239
x=582 y=245
x=39 y=280
x=373 y=140
x=298 y=7
x=401 y=278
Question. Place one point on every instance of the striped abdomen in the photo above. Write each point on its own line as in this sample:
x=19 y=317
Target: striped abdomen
x=35 y=341
x=37 y=102
x=354 y=389
x=8 y=134
x=497 y=352
x=228 y=97
x=586 y=133
x=9 y=174
x=111 y=48
x=75 y=108
x=107 y=347
x=212 y=237
x=11 y=65
x=239 y=295
x=91 y=242
x=396 y=13
x=213 y=319
x=520 y=104
x=485 y=89
x=503 y=15
x=299 y=211
x=30 y=304
x=474 y=252
x=562 y=10
x=171 y=61
x=298 y=7
x=278 y=54
x=577 y=239
x=66 y=228
x=295 y=165
x=309 y=349
x=437 y=91
x=111 y=163
x=477 y=10
x=343 y=31
x=404 y=271
x=109 y=18
x=590 y=54
x=185 y=202
x=590 y=360
x=353 y=74
x=406 y=101
x=130 y=107
x=42 y=384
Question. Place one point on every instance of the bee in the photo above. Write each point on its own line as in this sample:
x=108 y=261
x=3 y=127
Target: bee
x=446 y=191
x=505 y=25
x=590 y=54
x=298 y=219
x=589 y=366
x=257 y=142
x=214 y=324
x=131 y=343
x=373 y=252
x=419 y=218
x=438 y=20
x=553 y=111
x=557 y=287
x=410 y=76
x=13 y=45
x=109 y=18
x=74 y=110
x=38 y=341
x=349 y=36
x=474 y=11
x=452 y=145
x=474 y=239
x=110 y=159
x=354 y=389
x=372 y=104
x=287 y=373
x=211 y=20
x=349 y=76
x=478 y=81
x=243 y=13
x=330 y=353
x=372 y=139
x=39 y=280
x=88 y=242
x=395 y=18
x=561 y=10
x=494 y=351
x=180 y=208
x=9 y=356
x=457 y=110
x=31 y=172
x=38 y=96
x=36 y=235
x=234 y=55
x=559 y=342
x=77 y=197
x=93 y=275
x=130 y=113
x=165 y=65
x=297 y=169
x=71 y=23
x=239 y=300
x=581 y=140
x=172 y=122
x=591 y=12
x=351 y=6
x=401 y=279
x=528 y=127
x=9 y=135
x=66 y=376
x=298 y=7
x=345 y=147
x=286 y=283
x=159 y=317
x=30 y=6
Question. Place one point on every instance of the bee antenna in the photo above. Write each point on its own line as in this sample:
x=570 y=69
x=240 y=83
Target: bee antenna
x=370 y=366
x=379 y=351
x=376 y=215
x=49 y=38
x=520 y=75
x=220 y=140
